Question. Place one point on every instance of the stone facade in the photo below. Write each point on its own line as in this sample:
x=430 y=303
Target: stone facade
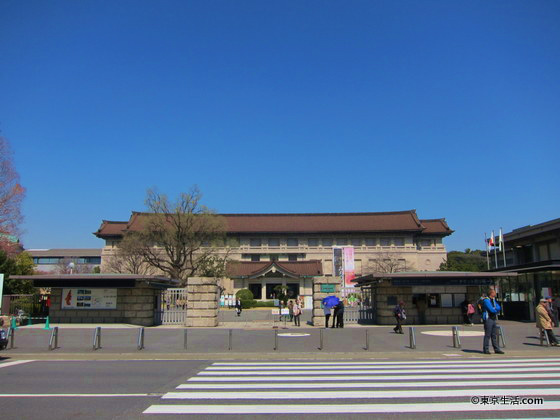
x=318 y=296
x=134 y=306
x=202 y=302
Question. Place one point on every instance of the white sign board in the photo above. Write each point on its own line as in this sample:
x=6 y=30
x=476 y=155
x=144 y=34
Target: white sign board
x=285 y=311
x=275 y=311
x=89 y=299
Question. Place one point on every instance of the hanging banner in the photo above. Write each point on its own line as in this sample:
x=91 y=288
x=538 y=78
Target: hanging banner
x=349 y=270
x=1 y=291
x=338 y=263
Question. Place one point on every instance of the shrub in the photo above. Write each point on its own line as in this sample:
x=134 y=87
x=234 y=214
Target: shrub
x=244 y=294
x=265 y=304
x=247 y=304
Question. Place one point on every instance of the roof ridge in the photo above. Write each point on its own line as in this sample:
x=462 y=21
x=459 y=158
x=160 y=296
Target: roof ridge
x=413 y=212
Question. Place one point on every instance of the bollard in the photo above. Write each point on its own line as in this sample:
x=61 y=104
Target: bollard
x=12 y=335
x=53 y=341
x=321 y=338
x=140 y=340
x=185 y=339
x=456 y=338
x=412 y=337
x=544 y=336
x=97 y=338
x=230 y=339
x=275 y=339
x=501 y=336
x=367 y=340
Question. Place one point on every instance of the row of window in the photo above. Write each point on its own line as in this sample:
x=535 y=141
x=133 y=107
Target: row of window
x=328 y=242
x=273 y=257
x=58 y=260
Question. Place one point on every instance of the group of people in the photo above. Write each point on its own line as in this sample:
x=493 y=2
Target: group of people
x=294 y=309
x=337 y=315
x=547 y=314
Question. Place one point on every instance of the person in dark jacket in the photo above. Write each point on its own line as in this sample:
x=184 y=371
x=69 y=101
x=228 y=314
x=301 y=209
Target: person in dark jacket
x=490 y=310
x=340 y=315
x=400 y=316
x=334 y=314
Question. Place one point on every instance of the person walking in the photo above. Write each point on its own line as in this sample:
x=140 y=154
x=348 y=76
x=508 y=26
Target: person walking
x=490 y=310
x=544 y=322
x=465 y=311
x=400 y=316
x=296 y=310
x=238 y=307
x=291 y=310
x=340 y=315
x=327 y=312
x=470 y=313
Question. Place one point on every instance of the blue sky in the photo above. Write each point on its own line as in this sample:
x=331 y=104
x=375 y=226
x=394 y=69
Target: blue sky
x=448 y=107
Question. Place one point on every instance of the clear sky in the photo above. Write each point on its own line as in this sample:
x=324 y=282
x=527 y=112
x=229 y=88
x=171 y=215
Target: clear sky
x=448 y=107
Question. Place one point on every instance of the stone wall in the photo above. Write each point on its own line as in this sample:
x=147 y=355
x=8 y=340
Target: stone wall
x=318 y=296
x=134 y=306
x=202 y=302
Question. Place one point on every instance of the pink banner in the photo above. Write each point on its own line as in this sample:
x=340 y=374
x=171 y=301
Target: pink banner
x=349 y=270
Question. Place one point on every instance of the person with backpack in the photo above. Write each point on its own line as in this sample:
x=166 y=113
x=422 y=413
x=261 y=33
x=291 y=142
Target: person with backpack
x=296 y=310
x=490 y=310
x=400 y=316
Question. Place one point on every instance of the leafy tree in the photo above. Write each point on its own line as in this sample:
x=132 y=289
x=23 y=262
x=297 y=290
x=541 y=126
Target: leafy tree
x=11 y=197
x=470 y=260
x=21 y=264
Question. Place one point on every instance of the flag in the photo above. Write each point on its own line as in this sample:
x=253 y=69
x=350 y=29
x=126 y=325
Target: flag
x=491 y=240
x=501 y=241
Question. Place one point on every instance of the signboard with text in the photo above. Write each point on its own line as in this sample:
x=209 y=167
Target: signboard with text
x=89 y=299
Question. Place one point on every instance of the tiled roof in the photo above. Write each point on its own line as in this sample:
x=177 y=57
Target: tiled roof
x=293 y=268
x=399 y=221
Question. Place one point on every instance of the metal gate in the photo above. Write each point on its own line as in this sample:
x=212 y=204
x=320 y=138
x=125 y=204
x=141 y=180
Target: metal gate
x=173 y=307
x=359 y=308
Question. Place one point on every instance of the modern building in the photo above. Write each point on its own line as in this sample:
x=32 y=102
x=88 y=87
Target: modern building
x=291 y=249
x=534 y=253
x=65 y=260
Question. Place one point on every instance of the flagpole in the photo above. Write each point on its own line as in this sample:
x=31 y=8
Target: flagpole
x=487 y=251
x=503 y=246
x=495 y=251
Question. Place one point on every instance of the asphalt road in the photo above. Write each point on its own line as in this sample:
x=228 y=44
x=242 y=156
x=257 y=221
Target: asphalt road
x=197 y=389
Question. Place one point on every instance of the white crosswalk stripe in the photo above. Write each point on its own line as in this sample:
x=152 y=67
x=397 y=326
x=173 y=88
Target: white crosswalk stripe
x=513 y=387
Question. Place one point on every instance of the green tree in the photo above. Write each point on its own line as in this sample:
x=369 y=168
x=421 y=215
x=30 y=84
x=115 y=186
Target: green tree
x=21 y=264
x=470 y=260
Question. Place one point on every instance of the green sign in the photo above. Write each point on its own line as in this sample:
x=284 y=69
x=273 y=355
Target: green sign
x=328 y=288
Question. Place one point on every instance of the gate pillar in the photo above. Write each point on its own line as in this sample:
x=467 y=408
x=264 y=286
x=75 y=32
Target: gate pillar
x=202 y=302
x=320 y=287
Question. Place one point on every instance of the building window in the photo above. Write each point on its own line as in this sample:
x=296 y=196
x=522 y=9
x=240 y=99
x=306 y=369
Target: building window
x=327 y=242
x=255 y=242
x=273 y=257
x=357 y=241
x=273 y=242
x=341 y=241
x=371 y=242
x=46 y=260
x=256 y=289
x=292 y=242
x=292 y=257
x=255 y=257
x=398 y=241
x=426 y=242
x=385 y=241
x=313 y=242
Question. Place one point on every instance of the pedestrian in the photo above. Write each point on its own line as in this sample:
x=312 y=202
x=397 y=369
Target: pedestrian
x=335 y=313
x=556 y=311
x=327 y=312
x=340 y=315
x=470 y=313
x=291 y=310
x=296 y=310
x=400 y=316
x=544 y=322
x=238 y=307
x=480 y=305
x=490 y=310
x=465 y=311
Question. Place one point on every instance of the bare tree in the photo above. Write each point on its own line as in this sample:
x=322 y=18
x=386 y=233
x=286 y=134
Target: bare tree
x=11 y=196
x=128 y=257
x=388 y=262
x=68 y=266
x=181 y=238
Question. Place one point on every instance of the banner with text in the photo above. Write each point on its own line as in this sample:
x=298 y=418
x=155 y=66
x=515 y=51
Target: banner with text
x=349 y=269
x=89 y=299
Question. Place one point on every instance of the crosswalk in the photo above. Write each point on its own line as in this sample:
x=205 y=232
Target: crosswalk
x=474 y=387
